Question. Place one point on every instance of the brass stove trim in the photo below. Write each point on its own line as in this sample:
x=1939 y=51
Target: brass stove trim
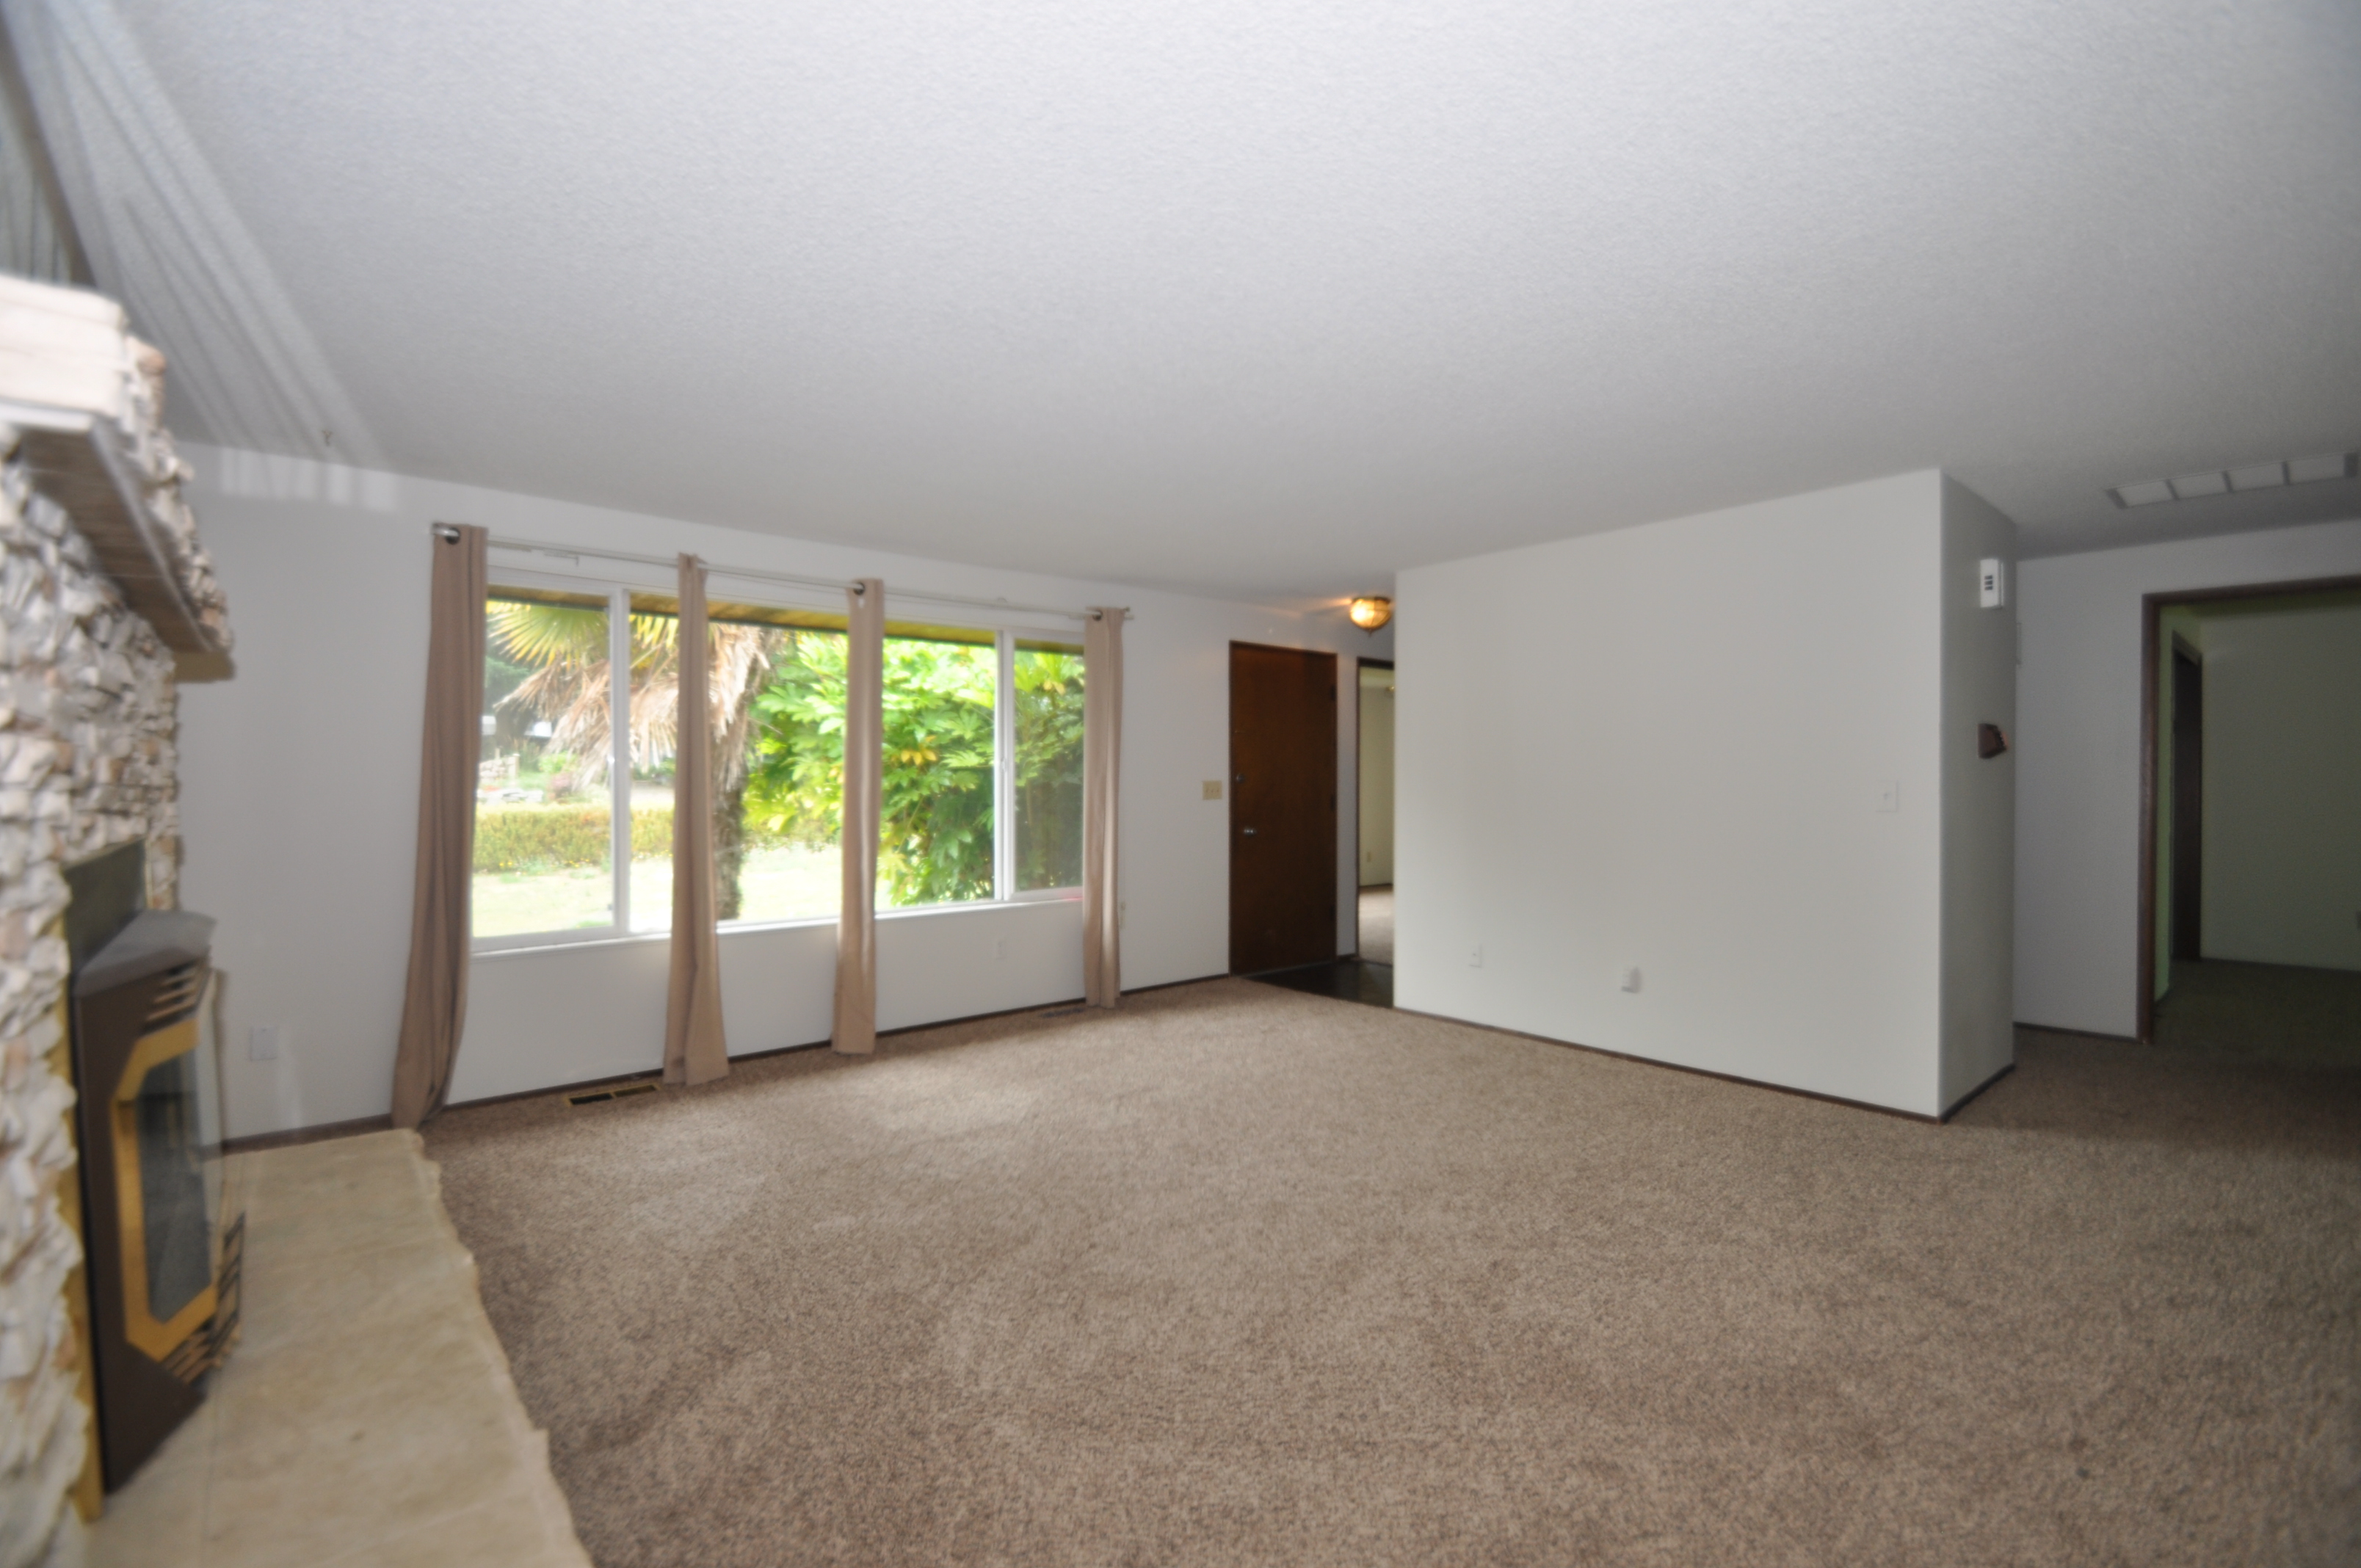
x=153 y=1337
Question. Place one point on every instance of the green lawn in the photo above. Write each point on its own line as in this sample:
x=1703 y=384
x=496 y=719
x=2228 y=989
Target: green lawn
x=788 y=884
x=510 y=903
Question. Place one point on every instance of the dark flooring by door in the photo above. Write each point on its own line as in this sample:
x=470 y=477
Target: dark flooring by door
x=1282 y=808
x=2263 y=1013
x=1346 y=980
x=1366 y=978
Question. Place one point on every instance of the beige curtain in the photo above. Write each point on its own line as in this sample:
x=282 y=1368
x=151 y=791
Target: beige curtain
x=435 y=999
x=1102 y=759
x=864 y=809
x=694 y=1051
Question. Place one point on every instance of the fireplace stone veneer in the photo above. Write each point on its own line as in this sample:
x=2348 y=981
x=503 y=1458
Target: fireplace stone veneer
x=87 y=760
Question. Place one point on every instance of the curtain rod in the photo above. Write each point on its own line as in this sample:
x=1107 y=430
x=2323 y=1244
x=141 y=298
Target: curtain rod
x=449 y=532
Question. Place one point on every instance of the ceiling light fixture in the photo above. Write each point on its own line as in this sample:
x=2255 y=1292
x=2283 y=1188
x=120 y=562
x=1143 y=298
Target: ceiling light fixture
x=2224 y=481
x=1370 y=612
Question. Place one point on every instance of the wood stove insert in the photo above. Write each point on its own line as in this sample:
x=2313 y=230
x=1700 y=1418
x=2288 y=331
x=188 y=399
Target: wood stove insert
x=148 y=1114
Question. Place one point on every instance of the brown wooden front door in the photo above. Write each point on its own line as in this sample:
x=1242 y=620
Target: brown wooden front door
x=1282 y=808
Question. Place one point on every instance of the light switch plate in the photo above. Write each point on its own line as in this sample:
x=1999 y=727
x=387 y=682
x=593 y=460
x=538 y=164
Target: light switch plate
x=1476 y=957
x=1889 y=795
x=1630 y=977
x=262 y=1042
x=1992 y=583
x=1213 y=789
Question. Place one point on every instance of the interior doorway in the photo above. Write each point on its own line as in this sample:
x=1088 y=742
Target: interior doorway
x=2250 y=822
x=1282 y=808
x=1376 y=750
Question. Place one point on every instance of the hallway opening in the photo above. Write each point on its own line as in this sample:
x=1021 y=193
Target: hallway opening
x=2250 y=896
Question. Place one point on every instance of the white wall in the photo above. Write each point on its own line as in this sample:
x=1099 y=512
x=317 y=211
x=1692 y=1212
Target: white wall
x=2079 y=754
x=300 y=804
x=2283 y=785
x=1376 y=778
x=1979 y=801
x=1667 y=746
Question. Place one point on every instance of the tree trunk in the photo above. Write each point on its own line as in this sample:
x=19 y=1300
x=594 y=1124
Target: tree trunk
x=730 y=778
x=730 y=829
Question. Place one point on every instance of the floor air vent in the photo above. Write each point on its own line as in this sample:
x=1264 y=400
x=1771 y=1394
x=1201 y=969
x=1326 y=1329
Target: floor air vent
x=597 y=1096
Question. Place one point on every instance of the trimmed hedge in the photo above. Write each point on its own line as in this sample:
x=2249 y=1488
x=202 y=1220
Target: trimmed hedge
x=555 y=837
x=551 y=837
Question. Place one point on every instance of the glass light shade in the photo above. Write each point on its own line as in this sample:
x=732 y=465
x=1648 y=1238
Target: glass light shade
x=1368 y=614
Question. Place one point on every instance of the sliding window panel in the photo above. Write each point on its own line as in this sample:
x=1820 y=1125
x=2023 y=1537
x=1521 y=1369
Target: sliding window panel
x=647 y=759
x=1004 y=776
x=779 y=773
x=623 y=634
x=1047 y=678
x=543 y=858
x=936 y=842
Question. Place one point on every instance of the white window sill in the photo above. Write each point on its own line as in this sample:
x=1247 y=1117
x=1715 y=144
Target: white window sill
x=558 y=942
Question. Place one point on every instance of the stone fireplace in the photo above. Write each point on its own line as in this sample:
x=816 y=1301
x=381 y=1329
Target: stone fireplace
x=102 y=583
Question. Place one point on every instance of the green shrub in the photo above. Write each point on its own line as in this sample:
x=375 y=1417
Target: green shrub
x=552 y=837
x=652 y=833
x=557 y=838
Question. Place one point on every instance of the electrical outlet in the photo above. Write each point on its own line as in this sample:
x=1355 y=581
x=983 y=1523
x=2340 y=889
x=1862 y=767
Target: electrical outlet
x=1122 y=914
x=1476 y=956
x=1000 y=949
x=263 y=1041
x=1628 y=977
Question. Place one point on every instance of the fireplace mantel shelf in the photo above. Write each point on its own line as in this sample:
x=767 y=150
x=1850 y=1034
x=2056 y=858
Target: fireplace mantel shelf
x=78 y=460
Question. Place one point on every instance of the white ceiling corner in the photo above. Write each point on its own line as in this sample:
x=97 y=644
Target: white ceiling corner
x=1232 y=296
x=164 y=236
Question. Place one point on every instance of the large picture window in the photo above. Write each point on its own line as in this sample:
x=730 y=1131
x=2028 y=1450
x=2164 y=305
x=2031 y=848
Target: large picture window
x=982 y=760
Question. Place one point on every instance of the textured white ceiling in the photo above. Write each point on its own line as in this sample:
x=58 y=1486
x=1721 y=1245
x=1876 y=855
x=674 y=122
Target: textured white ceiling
x=1243 y=296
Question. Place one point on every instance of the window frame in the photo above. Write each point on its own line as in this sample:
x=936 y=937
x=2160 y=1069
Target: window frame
x=620 y=592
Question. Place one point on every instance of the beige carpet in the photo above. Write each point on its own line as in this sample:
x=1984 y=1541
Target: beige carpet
x=1244 y=1276
x=1377 y=925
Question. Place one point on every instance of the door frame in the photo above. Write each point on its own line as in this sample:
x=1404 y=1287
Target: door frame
x=2187 y=790
x=2152 y=609
x=1360 y=823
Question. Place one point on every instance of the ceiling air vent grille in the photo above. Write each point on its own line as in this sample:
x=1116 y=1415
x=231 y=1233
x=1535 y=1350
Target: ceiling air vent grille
x=2238 y=481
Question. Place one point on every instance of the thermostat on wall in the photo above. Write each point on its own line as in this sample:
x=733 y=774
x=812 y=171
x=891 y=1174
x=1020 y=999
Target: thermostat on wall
x=1992 y=583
